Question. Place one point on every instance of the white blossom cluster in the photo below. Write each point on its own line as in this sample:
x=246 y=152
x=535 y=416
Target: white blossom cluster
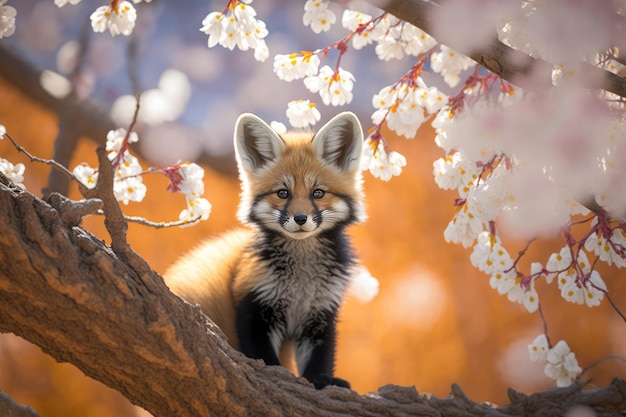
x=561 y=364
x=14 y=172
x=492 y=162
x=531 y=27
x=406 y=105
x=128 y=184
x=494 y=260
x=7 y=19
x=318 y=16
x=192 y=186
x=237 y=26
x=302 y=113
x=381 y=163
x=333 y=86
x=403 y=106
x=118 y=17
x=394 y=38
x=185 y=178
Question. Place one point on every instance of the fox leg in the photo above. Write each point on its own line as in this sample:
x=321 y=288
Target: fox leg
x=253 y=322
x=315 y=351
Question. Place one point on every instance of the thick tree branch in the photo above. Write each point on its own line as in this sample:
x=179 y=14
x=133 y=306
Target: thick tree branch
x=64 y=290
x=104 y=310
x=502 y=60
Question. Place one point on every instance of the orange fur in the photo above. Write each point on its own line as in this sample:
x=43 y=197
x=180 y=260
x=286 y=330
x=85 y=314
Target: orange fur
x=220 y=272
x=204 y=276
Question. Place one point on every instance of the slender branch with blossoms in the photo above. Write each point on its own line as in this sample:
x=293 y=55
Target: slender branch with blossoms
x=185 y=178
x=16 y=172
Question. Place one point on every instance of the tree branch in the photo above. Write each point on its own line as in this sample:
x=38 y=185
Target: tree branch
x=510 y=64
x=64 y=290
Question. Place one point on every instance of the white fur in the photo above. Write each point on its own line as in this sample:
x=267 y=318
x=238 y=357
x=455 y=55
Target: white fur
x=340 y=142
x=256 y=143
x=301 y=288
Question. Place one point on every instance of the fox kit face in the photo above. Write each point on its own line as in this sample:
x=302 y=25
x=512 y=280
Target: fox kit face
x=302 y=183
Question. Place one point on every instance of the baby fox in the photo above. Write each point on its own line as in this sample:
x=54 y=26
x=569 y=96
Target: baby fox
x=282 y=278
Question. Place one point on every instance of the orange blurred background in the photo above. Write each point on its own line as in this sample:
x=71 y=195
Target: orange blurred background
x=435 y=321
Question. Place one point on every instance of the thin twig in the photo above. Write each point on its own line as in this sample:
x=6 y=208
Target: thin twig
x=50 y=162
x=608 y=297
x=545 y=323
x=599 y=361
x=159 y=225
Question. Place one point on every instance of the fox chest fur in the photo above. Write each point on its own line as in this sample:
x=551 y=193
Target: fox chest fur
x=295 y=282
x=282 y=278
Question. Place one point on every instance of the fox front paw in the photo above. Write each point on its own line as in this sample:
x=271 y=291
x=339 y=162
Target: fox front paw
x=323 y=380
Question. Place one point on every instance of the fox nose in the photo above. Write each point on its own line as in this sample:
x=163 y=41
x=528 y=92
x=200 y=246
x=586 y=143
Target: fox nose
x=300 y=219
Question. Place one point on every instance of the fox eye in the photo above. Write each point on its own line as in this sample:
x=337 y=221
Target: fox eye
x=317 y=193
x=283 y=194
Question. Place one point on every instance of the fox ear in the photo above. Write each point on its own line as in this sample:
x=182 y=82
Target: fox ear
x=340 y=141
x=256 y=143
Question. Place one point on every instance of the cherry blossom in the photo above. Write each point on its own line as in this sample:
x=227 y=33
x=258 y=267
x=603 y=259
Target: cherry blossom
x=192 y=184
x=381 y=163
x=449 y=171
x=318 y=16
x=450 y=64
x=489 y=255
x=503 y=281
x=302 y=113
x=562 y=365
x=608 y=245
x=333 y=86
x=463 y=228
x=525 y=295
x=129 y=189
x=538 y=349
x=87 y=175
x=118 y=17
x=237 y=26
x=197 y=209
x=295 y=66
x=117 y=138
x=279 y=127
x=61 y=3
x=363 y=26
x=14 y=172
x=7 y=19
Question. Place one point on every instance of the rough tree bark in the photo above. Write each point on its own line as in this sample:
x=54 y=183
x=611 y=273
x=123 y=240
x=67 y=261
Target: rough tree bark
x=104 y=310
